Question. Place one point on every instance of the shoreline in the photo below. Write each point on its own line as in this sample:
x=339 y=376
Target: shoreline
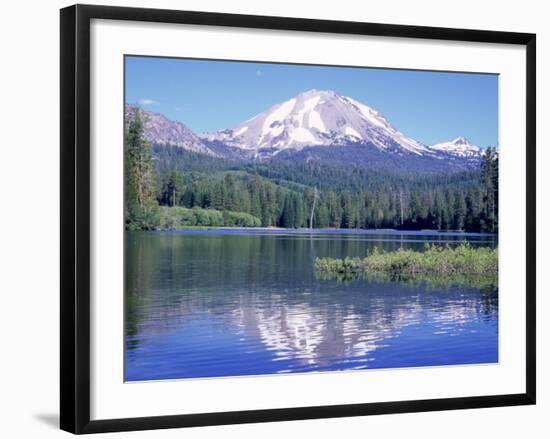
x=327 y=231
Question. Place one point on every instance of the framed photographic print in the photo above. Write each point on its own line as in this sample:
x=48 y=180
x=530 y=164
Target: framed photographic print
x=268 y=218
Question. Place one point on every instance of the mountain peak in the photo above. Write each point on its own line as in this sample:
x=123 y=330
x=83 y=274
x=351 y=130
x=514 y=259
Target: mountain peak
x=316 y=118
x=458 y=147
x=315 y=92
x=461 y=141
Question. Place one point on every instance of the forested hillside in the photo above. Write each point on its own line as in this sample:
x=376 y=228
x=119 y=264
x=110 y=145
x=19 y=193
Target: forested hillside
x=168 y=187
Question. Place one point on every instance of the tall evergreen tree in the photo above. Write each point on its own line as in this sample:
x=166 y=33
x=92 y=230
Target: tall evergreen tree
x=348 y=211
x=288 y=217
x=334 y=210
x=460 y=211
x=299 y=211
x=489 y=169
x=140 y=176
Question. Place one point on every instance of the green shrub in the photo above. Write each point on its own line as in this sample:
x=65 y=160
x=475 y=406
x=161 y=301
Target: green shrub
x=147 y=218
x=177 y=218
x=240 y=219
x=434 y=260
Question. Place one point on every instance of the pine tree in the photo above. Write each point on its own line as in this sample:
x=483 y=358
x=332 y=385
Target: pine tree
x=288 y=216
x=348 y=213
x=489 y=170
x=321 y=219
x=254 y=192
x=299 y=213
x=448 y=217
x=460 y=211
x=140 y=190
x=230 y=190
x=474 y=202
x=439 y=211
x=171 y=188
x=218 y=196
x=334 y=210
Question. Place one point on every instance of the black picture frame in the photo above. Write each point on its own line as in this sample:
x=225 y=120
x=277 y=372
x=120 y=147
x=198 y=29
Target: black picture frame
x=75 y=217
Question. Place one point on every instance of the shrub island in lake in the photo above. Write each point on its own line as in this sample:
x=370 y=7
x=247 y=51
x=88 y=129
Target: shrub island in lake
x=462 y=264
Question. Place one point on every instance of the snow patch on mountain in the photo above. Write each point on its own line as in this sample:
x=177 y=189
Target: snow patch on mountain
x=351 y=132
x=371 y=115
x=460 y=147
x=315 y=121
x=241 y=131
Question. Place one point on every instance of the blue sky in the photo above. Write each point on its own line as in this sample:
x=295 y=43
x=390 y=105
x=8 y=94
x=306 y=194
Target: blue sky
x=430 y=107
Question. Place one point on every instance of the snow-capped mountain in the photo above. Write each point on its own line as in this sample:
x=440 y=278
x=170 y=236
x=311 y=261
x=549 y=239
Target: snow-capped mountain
x=316 y=118
x=460 y=147
x=321 y=126
x=160 y=130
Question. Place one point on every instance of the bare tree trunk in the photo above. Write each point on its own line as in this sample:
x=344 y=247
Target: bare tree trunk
x=401 y=204
x=313 y=208
x=141 y=189
x=141 y=200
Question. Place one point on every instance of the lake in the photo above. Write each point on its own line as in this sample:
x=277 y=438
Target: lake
x=230 y=302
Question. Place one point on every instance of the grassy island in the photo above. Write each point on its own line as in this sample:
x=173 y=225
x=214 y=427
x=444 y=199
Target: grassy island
x=464 y=263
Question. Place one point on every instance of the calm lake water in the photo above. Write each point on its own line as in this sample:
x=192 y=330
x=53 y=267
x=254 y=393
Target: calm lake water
x=232 y=302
